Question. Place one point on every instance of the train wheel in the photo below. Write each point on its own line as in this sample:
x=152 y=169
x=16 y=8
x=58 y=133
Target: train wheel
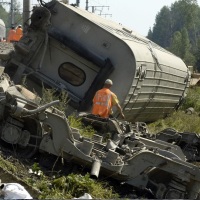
x=34 y=128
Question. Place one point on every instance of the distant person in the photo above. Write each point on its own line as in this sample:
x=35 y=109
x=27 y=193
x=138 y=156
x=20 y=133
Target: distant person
x=19 y=32
x=104 y=100
x=12 y=35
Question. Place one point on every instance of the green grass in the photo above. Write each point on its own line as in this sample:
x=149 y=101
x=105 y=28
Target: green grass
x=180 y=120
x=86 y=131
x=49 y=95
x=73 y=185
x=59 y=186
x=192 y=99
x=76 y=185
x=7 y=166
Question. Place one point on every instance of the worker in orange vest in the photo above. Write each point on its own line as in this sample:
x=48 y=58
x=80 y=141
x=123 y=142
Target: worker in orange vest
x=12 y=35
x=104 y=100
x=19 y=32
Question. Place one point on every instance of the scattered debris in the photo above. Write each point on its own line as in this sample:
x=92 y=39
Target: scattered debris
x=127 y=157
x=85 y=196
x=189 y=111
x=14 y=191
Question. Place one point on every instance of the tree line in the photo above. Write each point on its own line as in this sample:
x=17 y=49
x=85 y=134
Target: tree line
x=177 y=29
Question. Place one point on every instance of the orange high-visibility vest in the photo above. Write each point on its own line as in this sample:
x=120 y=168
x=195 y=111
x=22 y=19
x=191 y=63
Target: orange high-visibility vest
x=19 y=33
x=11 y=35
x=102 y=103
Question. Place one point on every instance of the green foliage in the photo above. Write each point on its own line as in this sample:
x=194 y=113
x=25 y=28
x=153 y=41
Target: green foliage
x=176 y=45
x=163 y=22
x=76 y=185
x=186 y=54
x=73 y=185
x=197 y=55
x=7 y=166
x=181 y=46
x=180 y=120
x=185 y=42
x=176 y=28
x=57 y=186
x=35 y=167
x=192 y=99
x=49 y=95
x=184 y=14
x=86 y=131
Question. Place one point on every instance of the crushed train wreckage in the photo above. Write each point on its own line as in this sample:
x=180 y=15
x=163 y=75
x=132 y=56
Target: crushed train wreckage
x=187 y=141
x=69 y=56
x=156 y=166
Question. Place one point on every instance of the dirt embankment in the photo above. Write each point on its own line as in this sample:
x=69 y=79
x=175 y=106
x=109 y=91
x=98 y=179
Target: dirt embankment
x=12 y=170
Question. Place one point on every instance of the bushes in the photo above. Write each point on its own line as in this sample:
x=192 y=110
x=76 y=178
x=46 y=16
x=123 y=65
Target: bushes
x=86 y=131
x=180 y=120
x=74 y=185
x=192 y=99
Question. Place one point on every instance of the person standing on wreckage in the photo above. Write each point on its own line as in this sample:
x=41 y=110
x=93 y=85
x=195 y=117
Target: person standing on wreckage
x=104 y=100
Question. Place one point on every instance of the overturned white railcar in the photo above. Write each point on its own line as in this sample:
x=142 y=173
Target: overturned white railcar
x=79 y=50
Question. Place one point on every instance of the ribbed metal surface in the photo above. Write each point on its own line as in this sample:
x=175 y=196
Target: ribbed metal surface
x=148 y=80
x=155 y=95
x=160 y=80
x=158 y=86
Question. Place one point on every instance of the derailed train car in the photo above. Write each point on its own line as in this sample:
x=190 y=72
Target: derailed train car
x=68 y=48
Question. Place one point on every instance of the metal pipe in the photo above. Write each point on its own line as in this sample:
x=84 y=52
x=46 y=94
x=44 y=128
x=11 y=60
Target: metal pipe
x=95 y=169
x=42 y=108
x=25 y=111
